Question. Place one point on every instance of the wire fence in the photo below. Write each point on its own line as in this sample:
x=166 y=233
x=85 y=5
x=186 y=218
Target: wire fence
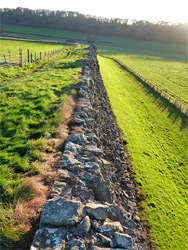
x=21 y=57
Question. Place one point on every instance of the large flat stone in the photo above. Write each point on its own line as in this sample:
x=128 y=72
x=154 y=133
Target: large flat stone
x=123 y=240
x=83 y=228
x=49 y=238
x=97 y=211
x=65 y=174
x=60 y=211
x=102 y=192
x=113 y=226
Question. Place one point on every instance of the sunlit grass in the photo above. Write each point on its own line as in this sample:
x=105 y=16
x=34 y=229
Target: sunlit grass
x=30 y=110
x=157 y=144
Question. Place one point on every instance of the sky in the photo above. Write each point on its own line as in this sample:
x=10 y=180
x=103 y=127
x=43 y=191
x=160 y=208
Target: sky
x=150 y=10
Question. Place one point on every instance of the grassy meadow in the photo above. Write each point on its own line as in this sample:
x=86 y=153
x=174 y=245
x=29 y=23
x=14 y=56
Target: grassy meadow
x=157 y=144
x=42 y=33
x=164 y=65
x=14 y=46
x=30 y=110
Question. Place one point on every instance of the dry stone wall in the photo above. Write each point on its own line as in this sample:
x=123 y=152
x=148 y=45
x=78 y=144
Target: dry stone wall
x=92 y=207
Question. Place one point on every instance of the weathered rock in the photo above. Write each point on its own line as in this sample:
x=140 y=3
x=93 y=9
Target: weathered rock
x=82 y=139
x=130 y=223
x=68 y=159
x=102 y=192
x=92 y=150
x=105 y=240
x=60 y=211
x=113 y=226
x=97 y=211
x=104 y=248
x=123 y=240
x=72 y=147
x=49 y=238
x=65 y=174
x=92 y=168
x=116 y=214
x=75 y=244
x=58 y=188
x=83 y=228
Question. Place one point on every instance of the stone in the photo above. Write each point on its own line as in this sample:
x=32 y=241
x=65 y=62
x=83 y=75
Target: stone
x=113 y=226
x=93 y=150
x=97 y=211
x=92 y=168
x=130 y=224
x=116 y=214
x=58 y=188
x=65 y=174
x=68 y=159
x=76 y=138
x=72 y=147
x=123 y=240
x=83 y=228
x=102 y=192
x=104 y=248
x=105 y=240
x=49 y=238
x=75 y=244
x=106 y=163
x=60 y=211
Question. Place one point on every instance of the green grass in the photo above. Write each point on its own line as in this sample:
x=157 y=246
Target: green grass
x=29 y=111
x=164 y=65
x=157 y=144
x=33 y=32
x=14 y=45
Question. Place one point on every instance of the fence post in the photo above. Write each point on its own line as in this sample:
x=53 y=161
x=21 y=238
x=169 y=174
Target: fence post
x=20 y=56
x=5 y=59
x=28 y=55
x=9 y=57
x=35 y=56
x=31 y=57
x=40 y=55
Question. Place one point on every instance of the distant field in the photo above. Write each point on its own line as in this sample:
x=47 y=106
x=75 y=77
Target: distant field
x=157 y=142
x=40 y=33
x=164 y=65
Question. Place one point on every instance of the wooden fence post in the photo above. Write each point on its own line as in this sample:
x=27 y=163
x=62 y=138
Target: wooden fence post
x=31 y=57
x=5 y=59
x=40 y=55
x=28 y=55
x=9 y=57
x=35 y=56
x=20 y=57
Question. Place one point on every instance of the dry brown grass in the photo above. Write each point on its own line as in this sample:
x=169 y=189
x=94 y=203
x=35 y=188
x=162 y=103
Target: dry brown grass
x=27 y=212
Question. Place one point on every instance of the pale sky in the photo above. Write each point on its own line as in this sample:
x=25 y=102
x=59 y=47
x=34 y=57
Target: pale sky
x=151 y=10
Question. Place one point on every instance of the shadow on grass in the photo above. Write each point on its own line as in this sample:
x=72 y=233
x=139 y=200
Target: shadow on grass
x=67 y=65
x=164 y=104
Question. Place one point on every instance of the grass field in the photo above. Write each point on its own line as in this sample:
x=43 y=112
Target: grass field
x=30 y=108
x=157 y=144
x=41 y=33
x=164 y=65
x=14 y=45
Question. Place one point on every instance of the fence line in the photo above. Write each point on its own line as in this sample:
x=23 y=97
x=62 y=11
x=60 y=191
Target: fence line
x=19 y=58
x=154 y=87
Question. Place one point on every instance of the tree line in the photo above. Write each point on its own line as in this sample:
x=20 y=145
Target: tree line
x=92 y=25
